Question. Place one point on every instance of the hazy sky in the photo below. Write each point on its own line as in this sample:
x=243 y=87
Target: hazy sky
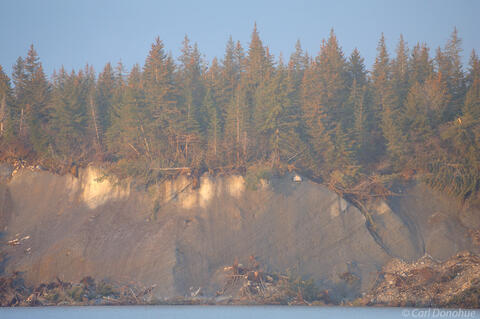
x=73 y=33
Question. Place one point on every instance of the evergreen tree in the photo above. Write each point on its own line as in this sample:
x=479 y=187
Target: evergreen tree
x=239 y=58
x=297 y=64
x=237 y=125
x=256 y=62
x=164 y=126
x=356 y=69
x=115 y=102
x=474 y=72
x=104 y=99
x=271 y=99
x=31 y=97
x=314 y=116
x=230 y=68
x=127 y=138
x=70 y=118
x=333 y=76
x=471 y=112
x=20 y=93
x=257 y=75
x=359 y=104
x=400 y=73
x=471 y=108
x=386 y=106
x=450 y=67
x=191 y=97
x=6 y=110
x=420 y=65
x=225 y=78
x=424 y=108
x=333 y=95
x=214 y=127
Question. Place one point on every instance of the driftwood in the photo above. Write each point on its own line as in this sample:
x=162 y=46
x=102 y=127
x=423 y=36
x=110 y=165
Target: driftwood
x=133 y=294
x=133 y=147
x=14 y=292
x=250 y=284
x=170 y=168
x=370 y=187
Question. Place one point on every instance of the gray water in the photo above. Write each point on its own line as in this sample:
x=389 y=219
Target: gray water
x=231 y=312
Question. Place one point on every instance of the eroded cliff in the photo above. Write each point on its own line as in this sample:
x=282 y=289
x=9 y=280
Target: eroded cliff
x=178 y=236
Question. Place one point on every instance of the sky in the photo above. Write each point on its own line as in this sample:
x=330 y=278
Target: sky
x=73 y=33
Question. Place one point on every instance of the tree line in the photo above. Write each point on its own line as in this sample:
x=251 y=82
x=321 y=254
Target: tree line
x=415 y=114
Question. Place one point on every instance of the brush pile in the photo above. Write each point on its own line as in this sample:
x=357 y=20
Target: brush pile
x=14 y=292
x=454 y=283
x=251 y=285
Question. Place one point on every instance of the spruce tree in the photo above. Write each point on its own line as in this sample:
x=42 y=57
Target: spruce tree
x=213 y=128
x=400 y=72
x=287 y=143
x=359 y=104
x=225 y=77
x=256 y=61
x=314 y=116
x=420 y=65
x=104 y=98
x=450 y=67
x=471 y=108
x=237 y=125
x=6 y=110
x=388 y=115
x=297 y=64
x=333 y=76
x=126 y=136
x=191 y=97
x=356 y=69
x=70 y=115
x=31 y=97
x=162 y=131
x=333 y=95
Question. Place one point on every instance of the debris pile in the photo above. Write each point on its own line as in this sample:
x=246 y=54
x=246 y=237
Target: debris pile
x=454 y=283
x=251 y=285
x=14 y=292
x=17 y=241
x=428 y=283
x=11 y=167
x=475 y=236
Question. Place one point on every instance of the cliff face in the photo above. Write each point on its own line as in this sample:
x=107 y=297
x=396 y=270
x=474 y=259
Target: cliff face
x=178 y=237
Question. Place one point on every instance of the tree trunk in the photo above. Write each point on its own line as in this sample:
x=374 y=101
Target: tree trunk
x=186 y=148
x=21 y=123
x=94 y=118
x=3 y=114
x=237 y=144
x=244 y=146
x=215 y=140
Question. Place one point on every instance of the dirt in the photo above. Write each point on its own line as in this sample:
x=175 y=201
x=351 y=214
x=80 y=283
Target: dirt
x=180 y=238
x=454 y=283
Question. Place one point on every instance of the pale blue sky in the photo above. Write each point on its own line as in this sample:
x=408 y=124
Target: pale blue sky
x=73 y=33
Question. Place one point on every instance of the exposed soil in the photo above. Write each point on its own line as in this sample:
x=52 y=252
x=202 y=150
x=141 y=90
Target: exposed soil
x=180 y=238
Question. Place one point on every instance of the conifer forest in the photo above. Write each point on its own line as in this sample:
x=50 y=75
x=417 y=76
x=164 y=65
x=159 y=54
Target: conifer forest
x=414 y=115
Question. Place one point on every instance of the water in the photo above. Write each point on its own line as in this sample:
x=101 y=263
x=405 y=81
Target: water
x=231 y=312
